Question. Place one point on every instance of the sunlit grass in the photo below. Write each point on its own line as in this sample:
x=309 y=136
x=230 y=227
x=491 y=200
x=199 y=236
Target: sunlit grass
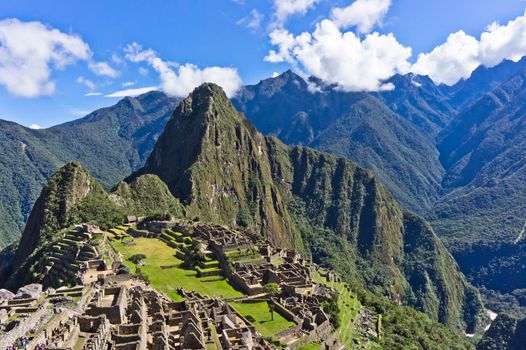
x=258 y=313
x=168 y=280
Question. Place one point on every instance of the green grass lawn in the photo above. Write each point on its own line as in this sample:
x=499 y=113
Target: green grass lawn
x=310 y=346
x=263 y=322
x=167 y=280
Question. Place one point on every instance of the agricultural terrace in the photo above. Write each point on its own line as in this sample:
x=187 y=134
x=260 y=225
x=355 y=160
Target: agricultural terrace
x=349 y=306
x=164 y=270
x=259 y=315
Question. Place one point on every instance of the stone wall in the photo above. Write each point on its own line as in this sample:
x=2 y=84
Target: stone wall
x=286 y=313
x=25 y=326
x=115 y=313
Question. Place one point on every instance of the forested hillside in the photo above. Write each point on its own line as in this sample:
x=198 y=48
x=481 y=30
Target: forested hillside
x=110 y=142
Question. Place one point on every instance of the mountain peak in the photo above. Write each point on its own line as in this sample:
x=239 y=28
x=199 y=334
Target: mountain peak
x=206 y=118
x=67 y=187
x=214 y=161
x=201 y=101
x=207 y=90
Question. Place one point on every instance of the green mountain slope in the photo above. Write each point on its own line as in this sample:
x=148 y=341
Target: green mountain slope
x=388 y=145
x=358 y=126
x=505 y=333
x=111 y=142
x=481 y=81
x=51 y=212
x=484 y=153
x=24 y=167
x=422 y=103
x=223 y=170
x=72 y=196
x=481 y=217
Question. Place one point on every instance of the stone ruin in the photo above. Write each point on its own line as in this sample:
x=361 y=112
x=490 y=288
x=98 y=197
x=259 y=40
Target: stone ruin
x=110 y=309
x=118 y=317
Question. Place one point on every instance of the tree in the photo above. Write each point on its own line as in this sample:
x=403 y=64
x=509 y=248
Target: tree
x=193 y=256
x=137 y=258
x=272 y=290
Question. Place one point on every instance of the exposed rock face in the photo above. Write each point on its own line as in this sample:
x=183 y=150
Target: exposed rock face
x=32 y=291
x=6 y=295
x=215 y=161
x=223 y=170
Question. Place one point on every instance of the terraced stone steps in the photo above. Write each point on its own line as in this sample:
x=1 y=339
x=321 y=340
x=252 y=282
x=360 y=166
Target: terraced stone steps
x=65 y=258
x=177 y=240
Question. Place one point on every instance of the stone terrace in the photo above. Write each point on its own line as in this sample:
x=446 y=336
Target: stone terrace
x=117 y=311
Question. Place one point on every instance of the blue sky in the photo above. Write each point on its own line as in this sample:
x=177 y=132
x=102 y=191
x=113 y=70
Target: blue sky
x=236 y=37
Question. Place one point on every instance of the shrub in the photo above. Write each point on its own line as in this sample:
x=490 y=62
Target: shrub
x=137 y=258
x=141 y=275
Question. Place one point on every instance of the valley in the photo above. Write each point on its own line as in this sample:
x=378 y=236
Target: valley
x=257 y=175
x=252 y=205
x=291 y=213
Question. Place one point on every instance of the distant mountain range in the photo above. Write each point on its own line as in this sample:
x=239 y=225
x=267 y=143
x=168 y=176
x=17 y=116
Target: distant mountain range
x=359 y=126
x=211 y=164
x=111 y=142
x=454 y=154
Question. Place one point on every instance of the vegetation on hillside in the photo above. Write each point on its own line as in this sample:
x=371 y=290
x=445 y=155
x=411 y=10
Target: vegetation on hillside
x=396 y=146
x=212 y=163
x=110 y=142
x=349 y=220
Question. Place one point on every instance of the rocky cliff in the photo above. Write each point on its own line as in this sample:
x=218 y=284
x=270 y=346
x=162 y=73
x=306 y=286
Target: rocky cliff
x=224 y=170
x=211 y=163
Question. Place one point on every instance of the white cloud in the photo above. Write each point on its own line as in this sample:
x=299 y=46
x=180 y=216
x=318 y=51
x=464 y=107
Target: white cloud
x=116 y=59
x=362 y=14
x=143 y=71
x=35 y=127
x=252 y=21
x=127 y=83
x=103 y=69
x=451 y=61
x=343 y=58
x=29 y=51
x=500 y=42
x=461 y=53
x=93 y=94
x=283 y=9
x=132 y=92
x=180 y=80
x=275 y=74
x=88 y=83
